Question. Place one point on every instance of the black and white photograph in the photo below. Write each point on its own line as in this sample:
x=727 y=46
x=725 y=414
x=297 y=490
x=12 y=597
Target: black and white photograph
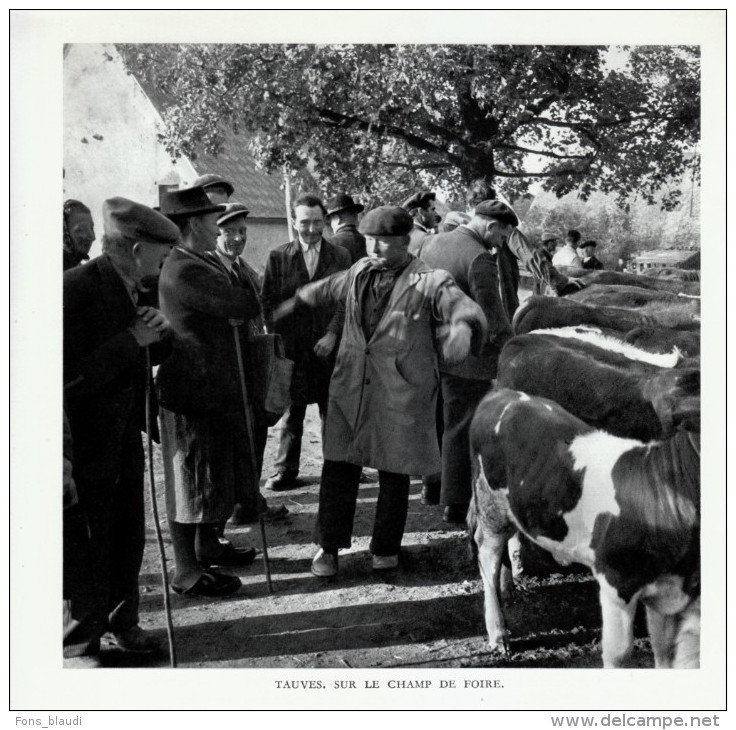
x=372 y=364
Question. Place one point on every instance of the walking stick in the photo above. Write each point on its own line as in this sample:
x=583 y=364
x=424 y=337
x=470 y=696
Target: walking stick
x=251 y=438
x=157 y=524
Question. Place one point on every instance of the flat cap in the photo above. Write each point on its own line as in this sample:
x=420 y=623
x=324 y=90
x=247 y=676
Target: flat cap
x=549 y=236
x=342 y=202
x=588 y=243
x=123 y=217
x=188 y=203
x=232 y=210
x=498 y=210
x=387 y=220
x=418 y=200
x=210 y=180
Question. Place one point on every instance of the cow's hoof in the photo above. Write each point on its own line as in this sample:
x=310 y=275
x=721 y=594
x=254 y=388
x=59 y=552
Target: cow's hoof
x=500 y=645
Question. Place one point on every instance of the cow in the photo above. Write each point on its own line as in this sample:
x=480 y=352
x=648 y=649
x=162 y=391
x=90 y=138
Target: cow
x=628 y=510
x=662 y=339
x=607 y=383
x=632 y=297
x=621 y=278
x=544 y=312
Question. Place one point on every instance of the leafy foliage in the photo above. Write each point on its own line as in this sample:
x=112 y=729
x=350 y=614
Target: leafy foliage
x=371 y=118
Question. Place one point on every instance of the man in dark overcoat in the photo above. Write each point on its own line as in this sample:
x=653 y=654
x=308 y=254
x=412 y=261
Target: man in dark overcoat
x=109 y=321
x=342 y=215
x=465 y=254
x=206 y=445
x=309 y=334
x=421 y=207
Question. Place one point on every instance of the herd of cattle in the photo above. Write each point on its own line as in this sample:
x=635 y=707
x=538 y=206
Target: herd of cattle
x=589 y=445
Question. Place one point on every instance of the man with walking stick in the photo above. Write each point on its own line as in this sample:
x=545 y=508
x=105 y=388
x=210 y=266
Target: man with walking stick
x=206 y=447
x=108 y=325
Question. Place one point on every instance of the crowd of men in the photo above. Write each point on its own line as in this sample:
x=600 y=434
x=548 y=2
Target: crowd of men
x=394 y=326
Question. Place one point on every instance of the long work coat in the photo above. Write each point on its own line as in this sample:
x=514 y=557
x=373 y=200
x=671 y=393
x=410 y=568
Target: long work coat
x=383 y=392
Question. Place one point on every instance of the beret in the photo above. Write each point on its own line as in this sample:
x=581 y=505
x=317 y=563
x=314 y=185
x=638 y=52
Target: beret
x=418 y=200
x=387 y=220
x=187 y=203
x=232 y=210
x=453 y=219
x=132 y=220
x=498 y=210
x=211 y=180
x=588 y=243
x=342 y=202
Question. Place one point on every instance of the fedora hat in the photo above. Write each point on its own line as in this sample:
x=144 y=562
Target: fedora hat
x=343 y=202
x=187 y=203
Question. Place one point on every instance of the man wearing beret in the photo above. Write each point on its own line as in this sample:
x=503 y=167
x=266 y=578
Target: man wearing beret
x=109 y=321
x=309 y=335
x=384 y=389
x=466 y=254
x=515 y=250
x=421 y=206
x=205 y=443
x=342 y=215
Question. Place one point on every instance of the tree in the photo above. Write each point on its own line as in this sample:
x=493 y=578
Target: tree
x=371 y=118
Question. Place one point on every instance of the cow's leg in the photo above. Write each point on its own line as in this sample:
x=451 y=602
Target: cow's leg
x=618 y=624
x=662 y=634
x=687 y=643
x=490 y=556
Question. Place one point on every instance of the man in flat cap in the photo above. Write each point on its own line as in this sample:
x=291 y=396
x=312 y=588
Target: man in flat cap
x=109 y=321
x=466 y=254
x=309 y=335
x=218 y=189
x=515 y=250
x=231 y=243
x=342 y=216
x=421 y=207
x=384 y=388
x=205 y=443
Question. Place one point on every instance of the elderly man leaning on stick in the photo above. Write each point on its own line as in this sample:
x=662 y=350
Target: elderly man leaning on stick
x=383 y=392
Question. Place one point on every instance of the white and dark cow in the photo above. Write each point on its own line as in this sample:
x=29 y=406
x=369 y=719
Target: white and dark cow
x=546 y=312
x=629 y=511
x=607 y=383
x=633 y=297
x=620 y=278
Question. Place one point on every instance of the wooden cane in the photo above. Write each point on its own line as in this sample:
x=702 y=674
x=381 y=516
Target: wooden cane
x=156 y=523
x=251 y=438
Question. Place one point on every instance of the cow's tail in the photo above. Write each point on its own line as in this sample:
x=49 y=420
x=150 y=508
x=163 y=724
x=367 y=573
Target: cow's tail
x=472 y=522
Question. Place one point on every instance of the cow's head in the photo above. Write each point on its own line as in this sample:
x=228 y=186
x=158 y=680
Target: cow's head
x=675 y=396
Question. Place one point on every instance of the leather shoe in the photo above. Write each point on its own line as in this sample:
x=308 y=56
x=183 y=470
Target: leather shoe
x=324 y=565
x=385 y=562
x=456 y=513
x=230 y=557
x=282 y=480
x=136 y=641
x=211 y=584
x=431 y=493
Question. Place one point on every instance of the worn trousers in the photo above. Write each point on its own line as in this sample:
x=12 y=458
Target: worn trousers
x=292 y=430
x=115 y=514
x=461 y=397
x=338 y=495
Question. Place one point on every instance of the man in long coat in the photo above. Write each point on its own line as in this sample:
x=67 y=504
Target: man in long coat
x=205 y=442
x=384 y=388
x=465 y=254
x=309 y=335
x=109 y=321
x=342 y=215
x=421 y=207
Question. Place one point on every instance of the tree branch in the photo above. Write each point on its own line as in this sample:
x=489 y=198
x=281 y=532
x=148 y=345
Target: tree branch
x=543 y=153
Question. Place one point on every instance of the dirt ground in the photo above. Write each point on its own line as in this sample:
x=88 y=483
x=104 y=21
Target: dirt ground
x=428 y=613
